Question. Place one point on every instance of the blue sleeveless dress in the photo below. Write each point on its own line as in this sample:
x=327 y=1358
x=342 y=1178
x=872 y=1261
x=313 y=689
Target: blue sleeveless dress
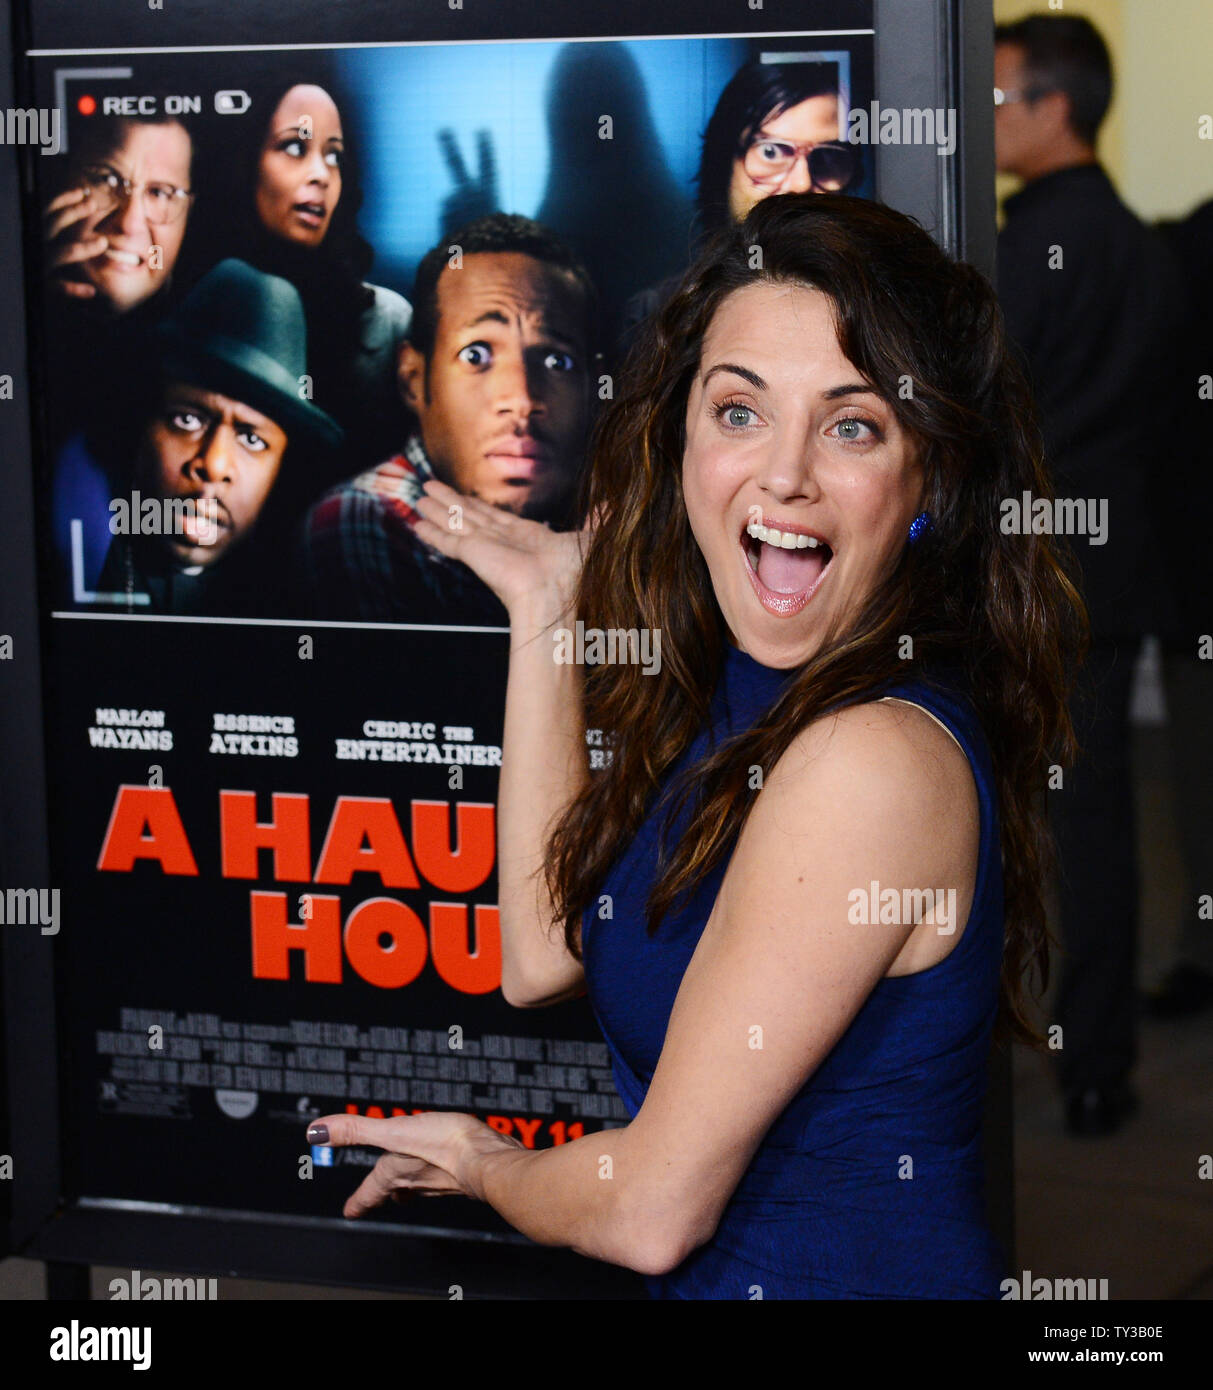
x=826 y=1208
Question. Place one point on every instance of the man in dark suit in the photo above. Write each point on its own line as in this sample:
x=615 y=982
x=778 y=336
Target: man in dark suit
x=1091 y=298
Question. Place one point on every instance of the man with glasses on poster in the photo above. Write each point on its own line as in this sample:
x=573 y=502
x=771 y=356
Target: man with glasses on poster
x=115 y=233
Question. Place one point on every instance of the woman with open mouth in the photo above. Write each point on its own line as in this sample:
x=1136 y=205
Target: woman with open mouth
x=805 y=892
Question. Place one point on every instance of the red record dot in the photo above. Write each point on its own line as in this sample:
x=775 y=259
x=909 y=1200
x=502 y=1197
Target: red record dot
x=86 y=105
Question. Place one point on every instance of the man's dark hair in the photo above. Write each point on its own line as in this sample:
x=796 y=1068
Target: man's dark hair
x=756 y=92
x=499 y=231
x=1065 y=53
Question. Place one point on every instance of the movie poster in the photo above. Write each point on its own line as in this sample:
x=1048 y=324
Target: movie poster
x=280 y=290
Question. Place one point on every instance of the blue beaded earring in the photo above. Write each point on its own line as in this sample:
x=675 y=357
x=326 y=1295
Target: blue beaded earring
x=921 y=525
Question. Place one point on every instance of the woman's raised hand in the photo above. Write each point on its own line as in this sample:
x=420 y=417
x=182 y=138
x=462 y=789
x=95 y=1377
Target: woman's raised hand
x=532 y=569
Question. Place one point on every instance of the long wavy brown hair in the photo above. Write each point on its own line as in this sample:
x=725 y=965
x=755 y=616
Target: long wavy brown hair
x=1002 y=608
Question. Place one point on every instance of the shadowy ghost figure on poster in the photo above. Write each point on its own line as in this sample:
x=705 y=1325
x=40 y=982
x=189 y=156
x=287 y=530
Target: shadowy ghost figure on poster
x=610 y=193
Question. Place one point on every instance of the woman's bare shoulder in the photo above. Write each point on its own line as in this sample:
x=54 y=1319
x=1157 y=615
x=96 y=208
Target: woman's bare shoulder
x=890 y=753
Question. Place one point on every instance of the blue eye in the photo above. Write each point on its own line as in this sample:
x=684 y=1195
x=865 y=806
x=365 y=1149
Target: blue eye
x=558 y=362
x=476 y=354
x=734 y=415
x=856 y=423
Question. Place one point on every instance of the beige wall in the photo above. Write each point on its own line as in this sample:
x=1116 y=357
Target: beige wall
x=1162 y=58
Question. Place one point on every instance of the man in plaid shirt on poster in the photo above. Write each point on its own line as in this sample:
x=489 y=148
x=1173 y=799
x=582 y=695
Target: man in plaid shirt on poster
x=496 y=373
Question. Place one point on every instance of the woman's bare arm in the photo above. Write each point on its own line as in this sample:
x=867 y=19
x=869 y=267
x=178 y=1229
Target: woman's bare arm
x=543 y=767
x=534 y=571
x=780 y=971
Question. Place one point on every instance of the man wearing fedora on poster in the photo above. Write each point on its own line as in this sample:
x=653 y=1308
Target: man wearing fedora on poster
x=209 y=492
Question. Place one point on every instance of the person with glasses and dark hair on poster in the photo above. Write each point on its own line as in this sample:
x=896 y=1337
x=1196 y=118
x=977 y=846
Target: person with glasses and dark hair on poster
x=205 y=526
x=863 y=684
x=496 y=375
x=776 y=128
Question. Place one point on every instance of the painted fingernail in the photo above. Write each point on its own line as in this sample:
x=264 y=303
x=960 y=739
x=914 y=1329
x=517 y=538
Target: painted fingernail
x=318 y=1134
